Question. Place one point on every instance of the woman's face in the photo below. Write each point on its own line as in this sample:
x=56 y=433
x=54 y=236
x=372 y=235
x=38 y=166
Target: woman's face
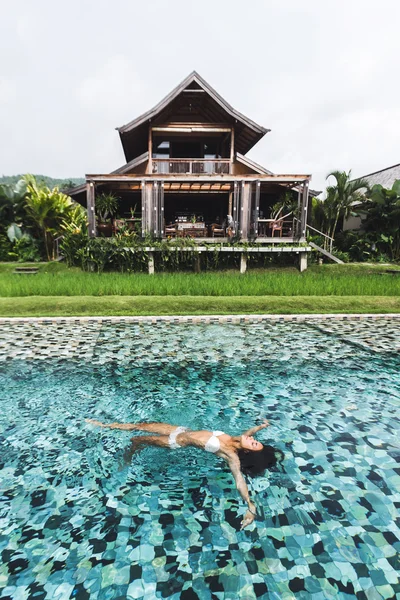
x=249 y=443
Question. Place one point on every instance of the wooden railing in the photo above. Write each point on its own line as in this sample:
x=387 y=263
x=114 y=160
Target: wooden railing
x=201 y=166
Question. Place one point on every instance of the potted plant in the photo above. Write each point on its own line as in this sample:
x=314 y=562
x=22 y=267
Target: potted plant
x=106 y=208
x=134 y=221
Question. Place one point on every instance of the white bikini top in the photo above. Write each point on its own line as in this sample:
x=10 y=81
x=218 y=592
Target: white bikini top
x=213 y=444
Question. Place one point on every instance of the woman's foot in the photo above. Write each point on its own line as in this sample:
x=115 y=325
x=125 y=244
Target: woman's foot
x=94 y=422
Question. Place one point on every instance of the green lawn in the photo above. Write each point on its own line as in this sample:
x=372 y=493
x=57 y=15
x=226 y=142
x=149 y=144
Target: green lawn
x=43 y=306
x=326 y=280
x=57 y=291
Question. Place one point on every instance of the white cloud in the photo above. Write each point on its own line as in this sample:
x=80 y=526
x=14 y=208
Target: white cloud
x=113 y=89
x=8 y=92
x=321 y=75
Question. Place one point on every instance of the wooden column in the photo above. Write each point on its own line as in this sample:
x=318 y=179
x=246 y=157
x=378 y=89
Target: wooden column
x=297 y=222
x=90 y=200
x=304 y=207
x=245 y=210
x=150 y=149
x=232 y=156
x=147 y=212
x=151 y=263
x=143 y=202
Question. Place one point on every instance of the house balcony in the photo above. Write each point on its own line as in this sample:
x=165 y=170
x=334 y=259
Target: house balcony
x=185 y=166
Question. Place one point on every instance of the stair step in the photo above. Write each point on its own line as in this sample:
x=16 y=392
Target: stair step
x=26 y=270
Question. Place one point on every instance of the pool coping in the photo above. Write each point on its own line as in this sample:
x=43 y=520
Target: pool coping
x=240 y=318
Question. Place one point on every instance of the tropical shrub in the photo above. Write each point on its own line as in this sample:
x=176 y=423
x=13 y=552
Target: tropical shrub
x=12 y=200
x=27 y=249
x=47 y=209
x=382 y=220
x=6 y=250
x=74 y=234
x=360 y=246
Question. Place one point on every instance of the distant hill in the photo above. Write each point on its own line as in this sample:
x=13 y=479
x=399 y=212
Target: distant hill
x=48 y=181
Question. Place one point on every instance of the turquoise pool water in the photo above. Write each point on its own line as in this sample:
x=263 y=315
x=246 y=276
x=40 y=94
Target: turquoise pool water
x=76 y=522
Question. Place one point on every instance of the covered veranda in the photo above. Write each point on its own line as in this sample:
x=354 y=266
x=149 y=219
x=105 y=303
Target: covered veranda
x=198 y=207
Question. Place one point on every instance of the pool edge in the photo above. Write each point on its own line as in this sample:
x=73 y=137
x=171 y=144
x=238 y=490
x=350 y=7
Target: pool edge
x=238 y=318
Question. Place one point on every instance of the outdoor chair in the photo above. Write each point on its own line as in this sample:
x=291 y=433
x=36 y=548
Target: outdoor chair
x=277 y=226
x=217 y=230
x=170 y=230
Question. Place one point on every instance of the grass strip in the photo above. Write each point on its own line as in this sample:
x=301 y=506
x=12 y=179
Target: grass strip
x=58 y=306
x=343 y=281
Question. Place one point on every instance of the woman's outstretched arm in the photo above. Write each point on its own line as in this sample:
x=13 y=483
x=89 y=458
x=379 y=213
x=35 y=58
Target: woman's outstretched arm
x=254 y=430
x=234 y=465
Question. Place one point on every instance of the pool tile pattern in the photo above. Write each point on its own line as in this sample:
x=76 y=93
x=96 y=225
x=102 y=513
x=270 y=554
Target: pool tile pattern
x=72 y=526
x=380 y=336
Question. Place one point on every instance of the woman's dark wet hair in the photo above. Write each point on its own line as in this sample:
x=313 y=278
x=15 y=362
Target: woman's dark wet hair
x=255 y=463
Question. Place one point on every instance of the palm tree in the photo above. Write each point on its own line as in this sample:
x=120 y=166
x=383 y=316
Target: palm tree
x=341 y=197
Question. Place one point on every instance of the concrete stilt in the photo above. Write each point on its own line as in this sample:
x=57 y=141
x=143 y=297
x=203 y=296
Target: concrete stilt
x=196 y=264
x=243 y=263
x=303 y=261
x=151 y=263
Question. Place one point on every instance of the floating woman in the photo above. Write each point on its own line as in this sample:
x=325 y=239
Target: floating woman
x=243 y=453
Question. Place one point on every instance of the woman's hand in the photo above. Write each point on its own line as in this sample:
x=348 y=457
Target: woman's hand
x=247 y=519
x=249 y=516
x=265 y=424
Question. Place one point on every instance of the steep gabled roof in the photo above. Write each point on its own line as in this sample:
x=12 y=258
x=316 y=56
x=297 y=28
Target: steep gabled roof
x=248 y=133
x=385 y=177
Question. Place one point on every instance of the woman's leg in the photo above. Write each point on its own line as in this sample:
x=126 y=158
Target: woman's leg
x=145 y=440
x=160 y=428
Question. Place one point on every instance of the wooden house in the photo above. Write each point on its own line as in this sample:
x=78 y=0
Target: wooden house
x=187 y=174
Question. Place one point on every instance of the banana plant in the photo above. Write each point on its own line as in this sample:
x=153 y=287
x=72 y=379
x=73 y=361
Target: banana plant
x=383 y=218
x=12 y=200
x=48 y=209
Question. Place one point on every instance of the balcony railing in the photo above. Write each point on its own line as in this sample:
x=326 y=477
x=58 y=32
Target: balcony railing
x=201 y=166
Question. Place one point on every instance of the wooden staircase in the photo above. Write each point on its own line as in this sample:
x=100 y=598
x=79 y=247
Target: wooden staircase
x=326 y=253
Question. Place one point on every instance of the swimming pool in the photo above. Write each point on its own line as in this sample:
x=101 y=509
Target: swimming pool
x=76 y=523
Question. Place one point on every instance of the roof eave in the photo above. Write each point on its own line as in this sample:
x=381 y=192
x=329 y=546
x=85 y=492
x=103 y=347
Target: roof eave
x=253 y=165
x=194 y=76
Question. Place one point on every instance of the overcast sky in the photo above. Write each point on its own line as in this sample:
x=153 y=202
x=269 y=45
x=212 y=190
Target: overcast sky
x=322 y=75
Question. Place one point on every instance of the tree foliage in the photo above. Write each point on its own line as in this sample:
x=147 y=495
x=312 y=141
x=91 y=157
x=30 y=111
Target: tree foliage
x=341 y=197
x=382 y=218
x=12 y=200
x=48 y=209
x=62 y=184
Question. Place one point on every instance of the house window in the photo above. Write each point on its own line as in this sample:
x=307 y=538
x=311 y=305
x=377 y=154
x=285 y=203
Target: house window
x=161 y=150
